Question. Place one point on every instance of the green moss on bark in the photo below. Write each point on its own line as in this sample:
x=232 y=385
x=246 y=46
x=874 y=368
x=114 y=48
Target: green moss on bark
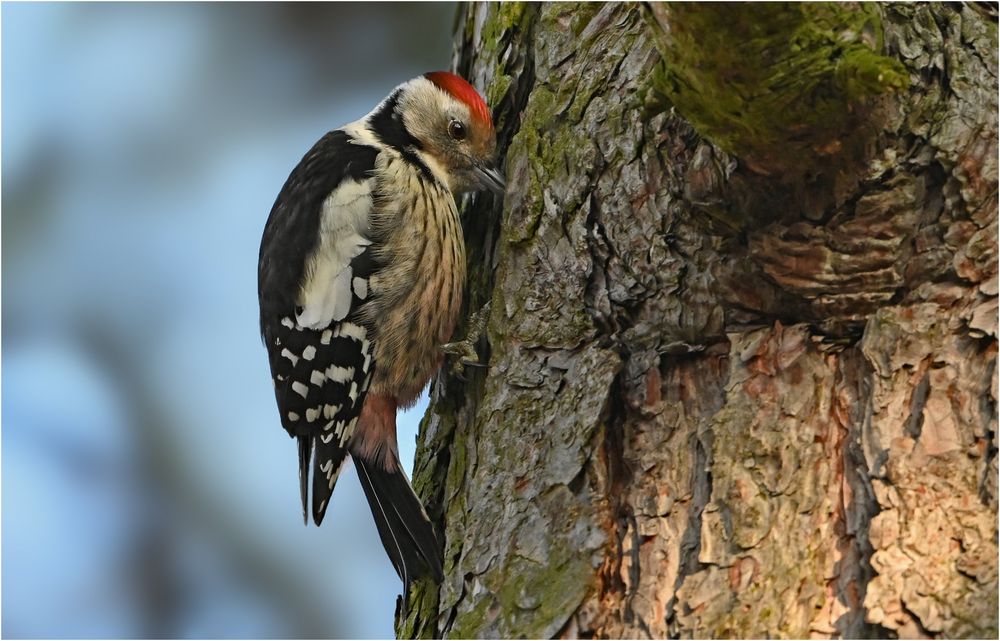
x=778 y=84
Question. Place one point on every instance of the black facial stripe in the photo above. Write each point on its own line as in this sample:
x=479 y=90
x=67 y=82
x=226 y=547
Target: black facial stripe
x=387 y=125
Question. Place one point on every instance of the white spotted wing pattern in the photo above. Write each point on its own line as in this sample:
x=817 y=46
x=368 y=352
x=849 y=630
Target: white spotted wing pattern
x=313 y=281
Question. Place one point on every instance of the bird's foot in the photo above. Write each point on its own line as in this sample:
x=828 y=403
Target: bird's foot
x=464 y=350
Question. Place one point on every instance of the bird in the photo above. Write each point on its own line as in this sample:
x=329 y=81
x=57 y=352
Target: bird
x=361 y=274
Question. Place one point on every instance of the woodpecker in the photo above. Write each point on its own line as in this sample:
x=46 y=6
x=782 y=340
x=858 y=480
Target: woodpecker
x=360 y=279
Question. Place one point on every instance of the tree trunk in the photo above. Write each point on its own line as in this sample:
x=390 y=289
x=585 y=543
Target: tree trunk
x=742 y=338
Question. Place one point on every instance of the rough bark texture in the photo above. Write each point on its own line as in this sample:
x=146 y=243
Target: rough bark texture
x=729 y=393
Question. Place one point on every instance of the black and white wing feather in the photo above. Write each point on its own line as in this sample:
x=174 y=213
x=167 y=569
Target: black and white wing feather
x=313 y=270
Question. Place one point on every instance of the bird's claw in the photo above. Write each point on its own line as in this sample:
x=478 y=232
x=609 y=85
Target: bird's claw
x=464 y=350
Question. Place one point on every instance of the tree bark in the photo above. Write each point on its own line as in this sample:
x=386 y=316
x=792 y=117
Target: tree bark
x=742 y=338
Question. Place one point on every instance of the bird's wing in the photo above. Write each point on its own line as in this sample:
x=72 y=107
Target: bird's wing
x=313 y=273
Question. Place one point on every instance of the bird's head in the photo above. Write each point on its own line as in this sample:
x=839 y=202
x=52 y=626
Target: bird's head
x=453 y=127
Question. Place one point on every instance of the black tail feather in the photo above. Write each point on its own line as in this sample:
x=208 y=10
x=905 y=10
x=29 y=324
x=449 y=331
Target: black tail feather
x=328 y=458
x=406 y=532
x=321 y=461
x=305 y=451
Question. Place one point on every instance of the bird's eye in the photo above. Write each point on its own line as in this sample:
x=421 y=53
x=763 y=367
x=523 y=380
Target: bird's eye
x=456 y=130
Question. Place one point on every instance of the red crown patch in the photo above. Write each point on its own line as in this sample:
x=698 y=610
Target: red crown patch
x=463 y=91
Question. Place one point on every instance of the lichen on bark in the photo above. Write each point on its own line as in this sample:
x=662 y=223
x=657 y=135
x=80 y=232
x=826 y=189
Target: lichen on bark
x=721 y=401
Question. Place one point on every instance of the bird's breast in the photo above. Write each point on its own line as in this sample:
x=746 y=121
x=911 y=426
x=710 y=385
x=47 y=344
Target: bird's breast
x=419 y=292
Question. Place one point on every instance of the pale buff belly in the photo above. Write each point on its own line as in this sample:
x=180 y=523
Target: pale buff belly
x=408 y=344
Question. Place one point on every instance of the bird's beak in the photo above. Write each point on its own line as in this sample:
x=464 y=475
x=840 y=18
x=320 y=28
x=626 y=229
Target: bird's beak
x=489 y=177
